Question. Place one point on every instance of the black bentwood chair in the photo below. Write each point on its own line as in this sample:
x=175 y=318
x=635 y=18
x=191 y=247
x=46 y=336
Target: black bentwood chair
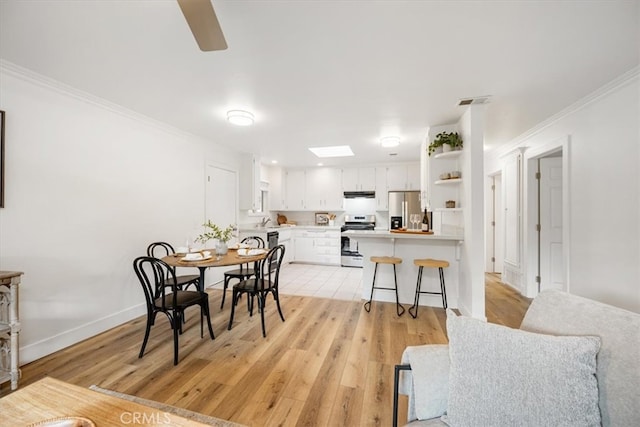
x=163 y=296
x=245 y=271
x=265 y=283
x=162 y=249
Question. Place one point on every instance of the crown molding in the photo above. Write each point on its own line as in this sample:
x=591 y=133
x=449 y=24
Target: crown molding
x=14 y=70
x=599 y=93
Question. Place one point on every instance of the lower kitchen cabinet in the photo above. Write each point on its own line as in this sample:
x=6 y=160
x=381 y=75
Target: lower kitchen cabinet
x=317 y=246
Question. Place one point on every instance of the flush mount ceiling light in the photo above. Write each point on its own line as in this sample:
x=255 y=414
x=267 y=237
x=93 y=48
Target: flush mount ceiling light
x=390 y=141
x=240 y=117
x=335 y=151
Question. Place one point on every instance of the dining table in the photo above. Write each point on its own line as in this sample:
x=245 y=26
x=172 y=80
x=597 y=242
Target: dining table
x=232 y=257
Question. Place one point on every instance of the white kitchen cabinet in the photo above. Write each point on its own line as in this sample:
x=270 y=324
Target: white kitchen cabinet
x=403 y=177
x=250 y=197
x=322 y=189
x=413 y=176
x=295 y=190
x=304 y=248
x=359 y=179
x=276 y=189
x=382 y=191
x=317 y=246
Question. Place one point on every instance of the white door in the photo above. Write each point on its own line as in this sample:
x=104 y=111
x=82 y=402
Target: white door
x=498 y=219
x=495 y=227
x=221 y=208
x=551 y=254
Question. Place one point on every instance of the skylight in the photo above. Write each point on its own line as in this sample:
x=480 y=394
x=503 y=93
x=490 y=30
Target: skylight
x=335 y=151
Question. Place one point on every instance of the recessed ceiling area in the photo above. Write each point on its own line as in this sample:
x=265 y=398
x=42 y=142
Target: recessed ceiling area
x=329 y=73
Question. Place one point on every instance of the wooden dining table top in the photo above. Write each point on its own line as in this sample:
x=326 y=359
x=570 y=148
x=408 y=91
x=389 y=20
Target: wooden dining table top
x=50 y=398
x=230 y=258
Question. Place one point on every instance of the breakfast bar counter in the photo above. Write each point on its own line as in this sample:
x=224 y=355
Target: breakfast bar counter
x=409 y=246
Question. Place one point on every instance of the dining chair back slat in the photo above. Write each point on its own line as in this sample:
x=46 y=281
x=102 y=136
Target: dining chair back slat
x=264 y=283
x=163 y=295
x=160 y=250
x=245 y=271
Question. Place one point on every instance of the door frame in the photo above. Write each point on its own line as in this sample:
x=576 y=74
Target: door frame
x=494 y=232
x=530 y=220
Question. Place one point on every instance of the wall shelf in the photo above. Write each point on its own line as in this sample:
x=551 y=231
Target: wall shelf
x=448 y=181
x=448 y=155
x=448 y=209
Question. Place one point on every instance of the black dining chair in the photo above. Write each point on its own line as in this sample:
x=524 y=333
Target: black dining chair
x=162 y=295
x=245 y=271
x=263 y=284
x=162 y=249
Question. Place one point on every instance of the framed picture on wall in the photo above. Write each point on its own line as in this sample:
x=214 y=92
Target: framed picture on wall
x=322 y=218
x=1 y=159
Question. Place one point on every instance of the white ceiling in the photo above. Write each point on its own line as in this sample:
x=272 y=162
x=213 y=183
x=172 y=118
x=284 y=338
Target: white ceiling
x=319 y=73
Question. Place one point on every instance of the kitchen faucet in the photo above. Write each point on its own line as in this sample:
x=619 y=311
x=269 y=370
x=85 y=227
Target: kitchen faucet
x=265 y=220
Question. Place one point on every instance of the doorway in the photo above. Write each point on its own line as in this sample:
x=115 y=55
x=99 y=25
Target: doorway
x=546 y=219
x=221 y=207
x=550 y=253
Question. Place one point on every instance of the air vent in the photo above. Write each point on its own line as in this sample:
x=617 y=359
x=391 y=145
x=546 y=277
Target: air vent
x=474 y=101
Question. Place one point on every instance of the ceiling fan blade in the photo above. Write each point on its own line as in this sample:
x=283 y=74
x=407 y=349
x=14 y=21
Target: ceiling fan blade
x=204 y=24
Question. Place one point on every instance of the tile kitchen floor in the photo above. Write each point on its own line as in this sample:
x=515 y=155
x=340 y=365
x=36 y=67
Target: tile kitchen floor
x=343 y=283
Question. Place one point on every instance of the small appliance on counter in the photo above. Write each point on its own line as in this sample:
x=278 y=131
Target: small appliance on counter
x=395 y=223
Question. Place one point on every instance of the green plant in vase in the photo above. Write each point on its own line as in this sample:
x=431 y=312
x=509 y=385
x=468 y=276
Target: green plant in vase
x=222 y=235
x=452 y=140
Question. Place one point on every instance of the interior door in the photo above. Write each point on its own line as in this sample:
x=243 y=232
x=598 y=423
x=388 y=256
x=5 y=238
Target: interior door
x=221 y=208
x=551 y=254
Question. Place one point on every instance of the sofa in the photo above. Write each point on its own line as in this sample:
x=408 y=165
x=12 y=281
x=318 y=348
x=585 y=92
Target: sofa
x=574 y=361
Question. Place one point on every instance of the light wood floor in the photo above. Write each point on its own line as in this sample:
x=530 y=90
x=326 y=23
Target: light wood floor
x=329 y=364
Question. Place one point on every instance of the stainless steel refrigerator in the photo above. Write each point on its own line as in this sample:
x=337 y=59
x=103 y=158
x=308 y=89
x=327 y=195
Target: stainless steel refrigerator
x=401 y=205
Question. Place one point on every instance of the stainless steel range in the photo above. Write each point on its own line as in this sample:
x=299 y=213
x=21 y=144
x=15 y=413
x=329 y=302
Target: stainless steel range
x=350 y=255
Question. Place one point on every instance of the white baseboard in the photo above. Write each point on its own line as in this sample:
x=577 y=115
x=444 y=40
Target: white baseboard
x=65 y=339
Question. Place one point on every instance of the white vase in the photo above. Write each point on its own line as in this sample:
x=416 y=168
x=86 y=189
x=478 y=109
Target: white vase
x=446 y=148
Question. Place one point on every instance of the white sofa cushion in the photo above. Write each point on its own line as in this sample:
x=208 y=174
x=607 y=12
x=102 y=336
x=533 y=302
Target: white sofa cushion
x=505 y=377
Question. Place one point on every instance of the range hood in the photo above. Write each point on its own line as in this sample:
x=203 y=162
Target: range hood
x=359 y=194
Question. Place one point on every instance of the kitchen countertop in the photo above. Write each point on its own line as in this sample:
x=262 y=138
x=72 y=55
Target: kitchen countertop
x=296 y=227
x=390 y=235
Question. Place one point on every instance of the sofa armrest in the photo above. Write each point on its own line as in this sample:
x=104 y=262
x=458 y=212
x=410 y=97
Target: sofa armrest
x=427 y=382
x=396 y=390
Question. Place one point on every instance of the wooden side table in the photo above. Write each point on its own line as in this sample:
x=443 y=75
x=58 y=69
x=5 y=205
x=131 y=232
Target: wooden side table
x=9 y=327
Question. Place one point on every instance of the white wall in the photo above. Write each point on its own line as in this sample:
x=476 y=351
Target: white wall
x=471 y=296
x=88 y=187
x=604 y=188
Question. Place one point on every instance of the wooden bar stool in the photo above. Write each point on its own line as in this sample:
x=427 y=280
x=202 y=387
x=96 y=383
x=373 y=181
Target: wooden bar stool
x=429 y=263
x=385 y=260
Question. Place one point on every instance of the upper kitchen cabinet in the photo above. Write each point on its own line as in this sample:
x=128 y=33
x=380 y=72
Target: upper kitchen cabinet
x=403 y=177
x=382 y=192
x=250 y=197
x=359 y=179
x=294 y=184
x=276 y=188
x=322 y=190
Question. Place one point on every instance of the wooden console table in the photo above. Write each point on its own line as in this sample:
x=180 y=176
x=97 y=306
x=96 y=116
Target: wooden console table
x=9 y=327
x=49 y=399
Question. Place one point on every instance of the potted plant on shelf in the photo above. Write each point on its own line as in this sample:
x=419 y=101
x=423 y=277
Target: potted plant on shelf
x=447 y=140
x=213 y=231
